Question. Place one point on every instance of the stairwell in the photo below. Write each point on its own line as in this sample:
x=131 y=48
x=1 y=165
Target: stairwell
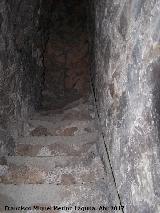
x=64 y=148
x=56 y=166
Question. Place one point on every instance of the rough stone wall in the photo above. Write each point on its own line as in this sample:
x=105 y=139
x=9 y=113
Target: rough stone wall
x=66 y=56
x=127 y=85
x=21 y=66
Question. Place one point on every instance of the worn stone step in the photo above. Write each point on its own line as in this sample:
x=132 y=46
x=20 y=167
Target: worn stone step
x=64 y=128
x=55 y=149
x=61 y=123
x=56 y=145
x=47 y=140
x=92 y=195
x=57 y=170
x=78 y=139
x=65 y=105
x=75 y=114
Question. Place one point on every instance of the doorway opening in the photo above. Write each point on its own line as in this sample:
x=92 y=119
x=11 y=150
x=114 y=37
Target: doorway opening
x=66 y=57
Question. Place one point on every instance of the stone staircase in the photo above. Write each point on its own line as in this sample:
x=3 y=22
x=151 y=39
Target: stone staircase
x=56 y=164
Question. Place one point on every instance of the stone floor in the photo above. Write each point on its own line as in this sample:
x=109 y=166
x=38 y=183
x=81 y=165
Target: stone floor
x=56 y=164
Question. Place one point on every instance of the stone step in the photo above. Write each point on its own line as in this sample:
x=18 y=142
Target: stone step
x=45 y=195
x=58 y=170
x=55 y=149
x=80 y=104
x=64 y=128
x=58 y=116
x=64 y=123
x=56 y=145
x=47 y=140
